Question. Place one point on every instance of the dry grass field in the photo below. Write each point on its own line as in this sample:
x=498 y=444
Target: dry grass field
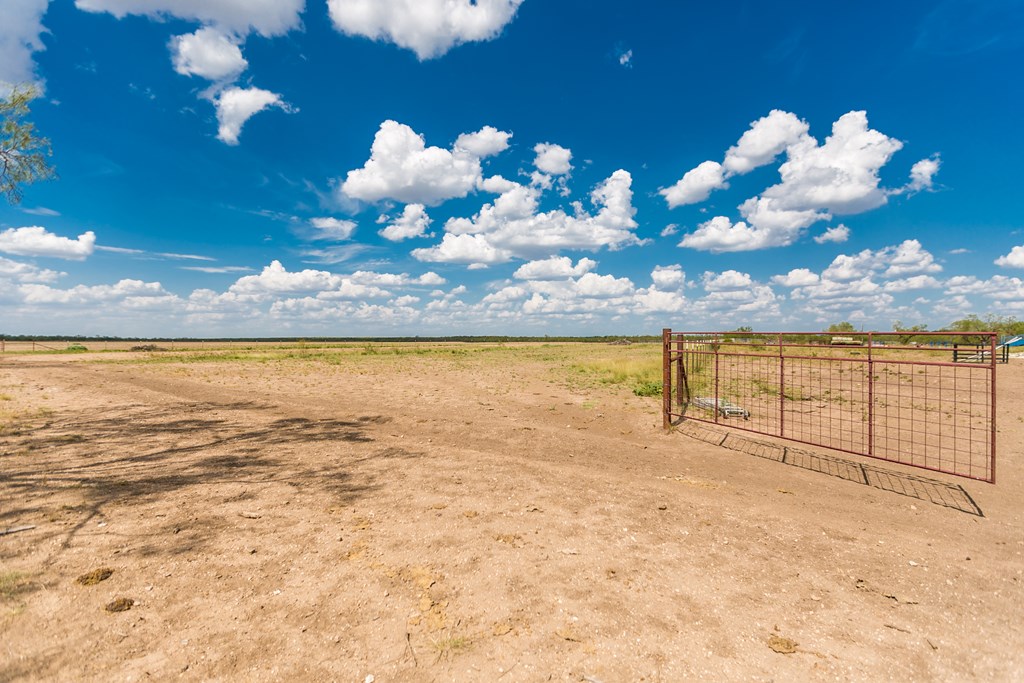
x=470 y=512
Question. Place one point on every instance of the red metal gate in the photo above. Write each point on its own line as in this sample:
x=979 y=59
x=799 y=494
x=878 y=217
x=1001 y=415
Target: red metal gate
x=886 y=395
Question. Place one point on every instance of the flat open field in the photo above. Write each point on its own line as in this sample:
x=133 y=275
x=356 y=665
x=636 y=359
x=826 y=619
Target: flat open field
x=472 y=513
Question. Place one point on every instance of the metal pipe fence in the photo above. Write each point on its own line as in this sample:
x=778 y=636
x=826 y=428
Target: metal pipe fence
x=873 y=394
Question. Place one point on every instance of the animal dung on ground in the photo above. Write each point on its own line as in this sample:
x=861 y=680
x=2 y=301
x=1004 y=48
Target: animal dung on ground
x=783 y=646
x=95 y=576
x=119 y=605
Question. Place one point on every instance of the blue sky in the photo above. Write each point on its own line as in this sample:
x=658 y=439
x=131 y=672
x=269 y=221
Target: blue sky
x=404 y=167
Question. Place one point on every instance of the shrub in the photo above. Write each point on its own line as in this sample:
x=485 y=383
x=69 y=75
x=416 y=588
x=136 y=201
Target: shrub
x=647 y=389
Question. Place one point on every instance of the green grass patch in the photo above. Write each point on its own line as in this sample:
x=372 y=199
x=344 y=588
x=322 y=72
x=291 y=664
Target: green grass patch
x=648 y=389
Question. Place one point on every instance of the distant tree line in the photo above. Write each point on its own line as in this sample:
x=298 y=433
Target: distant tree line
x=960 y=331
x=1003 y=325
x=476 y=339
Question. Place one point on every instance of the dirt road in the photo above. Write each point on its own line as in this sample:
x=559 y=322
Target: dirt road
x=471 y=517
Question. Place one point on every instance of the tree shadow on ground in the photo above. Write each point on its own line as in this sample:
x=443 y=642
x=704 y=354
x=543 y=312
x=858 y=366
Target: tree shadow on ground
x=139 y=454
x=925 y=489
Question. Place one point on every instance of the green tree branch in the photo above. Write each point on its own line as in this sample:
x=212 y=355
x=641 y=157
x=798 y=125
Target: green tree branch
x=24 y=156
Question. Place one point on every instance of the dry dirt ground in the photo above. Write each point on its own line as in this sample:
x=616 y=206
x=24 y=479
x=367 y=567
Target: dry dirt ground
x=478 y=514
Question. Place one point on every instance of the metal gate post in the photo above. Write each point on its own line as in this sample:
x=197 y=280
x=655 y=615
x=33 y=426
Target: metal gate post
x=871 y=399
x=782 y=390
x=666 y=378
x=717 y=403
x=992 y=415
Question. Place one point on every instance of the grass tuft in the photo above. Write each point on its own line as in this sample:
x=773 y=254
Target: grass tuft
x=12 y=584
x=449 y=646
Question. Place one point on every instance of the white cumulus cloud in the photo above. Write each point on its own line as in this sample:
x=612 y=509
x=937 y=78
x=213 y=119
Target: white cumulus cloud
x=467 y=249
x=898 y=261
x=401 y=167
x=497 y=185
x=798 y=277
x=767 y=138
x=486 y=142
x=552 y=159
x=554 y=268
x=597 y=286
x=845 y=267
x=266 y=17
x=838 y=234
x=908 y=258
x=818 y=181
x=37 y=241
x=512 y=227
x=413 y=222
x=696 y=185
x=26 y=272
x=427 y=27
x=839 y=176
x=668 y=277
x=729 y=279
x=922 y=175
x=367 y=277
x=276 y=280
x=207 y=53
x=1015 y=259
x=582 y=297
x=505 y=295
x=214 y=50
x=912 y=283
x=829 y=296
x=998 y=287
x=21 y=28
x=235 y=106
x=757 y=301
x=124 y=291
x=721 y=234
x=655 y=300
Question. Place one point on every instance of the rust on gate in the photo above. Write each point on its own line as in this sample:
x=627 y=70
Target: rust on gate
x=918 y=400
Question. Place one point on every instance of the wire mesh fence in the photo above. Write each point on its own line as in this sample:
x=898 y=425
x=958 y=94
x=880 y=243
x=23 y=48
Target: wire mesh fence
x=874 y=394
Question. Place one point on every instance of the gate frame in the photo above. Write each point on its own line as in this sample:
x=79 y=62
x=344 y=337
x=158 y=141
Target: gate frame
x=672 y=356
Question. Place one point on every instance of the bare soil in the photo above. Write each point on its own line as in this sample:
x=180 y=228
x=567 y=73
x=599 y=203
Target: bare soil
x=487 y=515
